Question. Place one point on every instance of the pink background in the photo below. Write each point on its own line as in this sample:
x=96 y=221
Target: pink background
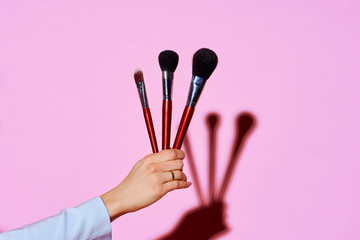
x=71 y=125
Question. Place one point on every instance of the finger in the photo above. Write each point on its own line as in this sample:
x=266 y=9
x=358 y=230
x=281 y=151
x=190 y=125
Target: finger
x=178 y=175
x=168 y=155
x=172 y=185
x=183 y=176
x=171 y=165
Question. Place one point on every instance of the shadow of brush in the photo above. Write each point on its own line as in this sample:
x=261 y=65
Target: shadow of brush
x=208 y=219
x=212 y=121
x=245 y=124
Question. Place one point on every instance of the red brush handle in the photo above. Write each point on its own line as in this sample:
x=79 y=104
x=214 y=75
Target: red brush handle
x=183 y=127
x=150 y=129
x=166 y=123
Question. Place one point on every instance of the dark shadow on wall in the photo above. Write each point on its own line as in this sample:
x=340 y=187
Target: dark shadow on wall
x=208 y=219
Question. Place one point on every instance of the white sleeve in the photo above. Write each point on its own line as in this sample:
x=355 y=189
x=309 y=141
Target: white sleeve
x=89 y=220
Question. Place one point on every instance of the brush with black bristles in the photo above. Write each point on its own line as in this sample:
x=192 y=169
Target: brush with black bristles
x=140 y=84
x=168 y=61
x=204 y=63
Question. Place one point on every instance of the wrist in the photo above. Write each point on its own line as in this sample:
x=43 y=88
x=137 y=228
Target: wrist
x=113 y=205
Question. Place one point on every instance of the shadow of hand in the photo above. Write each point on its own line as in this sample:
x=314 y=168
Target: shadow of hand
x=206 y=221
x=200 y=223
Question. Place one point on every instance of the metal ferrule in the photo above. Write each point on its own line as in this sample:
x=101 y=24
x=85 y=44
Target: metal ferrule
x=167 y=78
x=142 y=94
x=196 y=86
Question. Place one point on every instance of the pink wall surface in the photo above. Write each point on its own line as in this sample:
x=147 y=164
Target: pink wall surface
x=71 y=125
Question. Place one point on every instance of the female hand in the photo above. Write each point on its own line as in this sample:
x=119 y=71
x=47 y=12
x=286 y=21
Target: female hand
x=150 y=179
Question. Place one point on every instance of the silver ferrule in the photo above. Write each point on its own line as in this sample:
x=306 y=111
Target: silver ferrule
x=167 y=78
x=142 y=94
x=196 y=86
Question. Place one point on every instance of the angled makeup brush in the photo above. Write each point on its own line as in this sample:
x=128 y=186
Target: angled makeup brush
x=140 y=84
x=168 y=61
x=204 y=63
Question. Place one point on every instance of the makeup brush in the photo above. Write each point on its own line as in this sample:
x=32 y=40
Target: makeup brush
x=168 y=61
x=140 y=84
x=204 y=63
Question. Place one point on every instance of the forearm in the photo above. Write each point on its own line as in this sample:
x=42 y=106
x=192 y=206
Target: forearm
x=89 y=220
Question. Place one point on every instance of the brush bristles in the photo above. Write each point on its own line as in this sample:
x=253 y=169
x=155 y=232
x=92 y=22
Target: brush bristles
x=168 y=60
x=204 y=63
x=138 y=75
